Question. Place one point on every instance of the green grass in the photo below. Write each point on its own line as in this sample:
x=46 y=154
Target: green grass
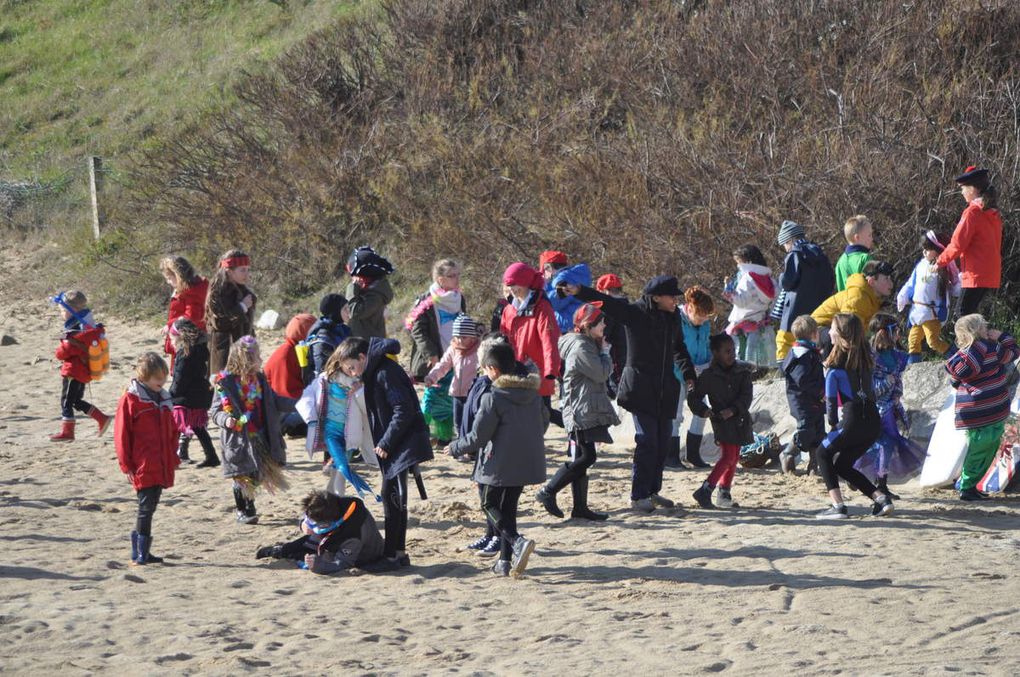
x=106 y=77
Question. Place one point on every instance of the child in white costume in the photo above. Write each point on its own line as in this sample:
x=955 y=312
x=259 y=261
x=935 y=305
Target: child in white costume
x=928 y=293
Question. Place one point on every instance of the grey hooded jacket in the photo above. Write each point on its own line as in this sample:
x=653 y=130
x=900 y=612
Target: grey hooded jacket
x=586 y=370
x=238 y=454
x=508 y=434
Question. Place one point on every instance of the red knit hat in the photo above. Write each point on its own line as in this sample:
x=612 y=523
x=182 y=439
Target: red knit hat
x=552 y=256
x=522 y=275
x=608 y=281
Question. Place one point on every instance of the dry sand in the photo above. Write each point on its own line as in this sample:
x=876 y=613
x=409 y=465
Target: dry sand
x=763 y=589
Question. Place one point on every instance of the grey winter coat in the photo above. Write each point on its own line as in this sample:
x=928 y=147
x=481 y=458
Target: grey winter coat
x=238 y=454
x=368 y=308
x=508 y=434
x=586 y=370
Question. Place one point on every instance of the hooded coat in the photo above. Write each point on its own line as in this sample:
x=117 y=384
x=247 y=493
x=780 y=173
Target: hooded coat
x=533 y=333
x=322 y=339
x=655 y=345
x=282 y=368
x=368 y=308
x=394 y=413
x=752 y=294
x=564 y=307
x=807 y=280
x=145 y=437
x=508 y=434
x=586 y=370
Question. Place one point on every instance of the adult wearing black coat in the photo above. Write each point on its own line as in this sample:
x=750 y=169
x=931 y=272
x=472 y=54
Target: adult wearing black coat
x=399 y=431
x=648 y=387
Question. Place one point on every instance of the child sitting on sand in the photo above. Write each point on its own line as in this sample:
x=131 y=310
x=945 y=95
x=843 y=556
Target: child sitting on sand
x=337 y=533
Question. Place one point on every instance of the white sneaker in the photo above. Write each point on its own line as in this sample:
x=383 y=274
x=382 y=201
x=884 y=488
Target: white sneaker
x=723 y=499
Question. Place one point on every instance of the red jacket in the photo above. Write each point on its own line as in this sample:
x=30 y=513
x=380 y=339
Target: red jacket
x=977 y=242
x=190 y=303
x=76 y=360
x=145 y=436
x=534 y=334
x=282 y=369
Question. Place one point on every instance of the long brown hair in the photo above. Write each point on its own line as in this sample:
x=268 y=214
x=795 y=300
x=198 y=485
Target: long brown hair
x=220 y=280
x=850 y=348
x=185 y=334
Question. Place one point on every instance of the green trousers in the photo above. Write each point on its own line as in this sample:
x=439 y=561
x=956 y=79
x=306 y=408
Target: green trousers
x=982 y=443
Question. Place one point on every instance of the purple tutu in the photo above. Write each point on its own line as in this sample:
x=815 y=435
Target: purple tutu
x=187 y=419
x=893 y=455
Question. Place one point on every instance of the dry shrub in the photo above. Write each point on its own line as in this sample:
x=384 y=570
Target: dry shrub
x=640 y=136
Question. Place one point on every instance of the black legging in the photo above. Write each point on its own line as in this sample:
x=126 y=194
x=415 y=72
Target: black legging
x=394 y=495
x=500 y=506
x=971 y=298
x=490 y=530
x=148 y=499
x=837 y=460
x=72 y=395
x=575 y=469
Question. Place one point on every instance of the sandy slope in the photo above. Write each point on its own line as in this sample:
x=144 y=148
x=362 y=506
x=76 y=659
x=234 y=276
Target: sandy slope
x=762 y=589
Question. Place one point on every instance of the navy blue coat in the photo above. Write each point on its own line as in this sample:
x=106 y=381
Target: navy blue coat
x=805 y=383
x=807 y=280
x=394 y=413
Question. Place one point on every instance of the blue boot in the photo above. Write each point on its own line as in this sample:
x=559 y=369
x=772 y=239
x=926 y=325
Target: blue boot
x=134 y=546
x=913 y=358
x=144 y=556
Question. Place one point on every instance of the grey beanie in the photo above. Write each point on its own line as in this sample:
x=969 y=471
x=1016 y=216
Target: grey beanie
x=790 y=230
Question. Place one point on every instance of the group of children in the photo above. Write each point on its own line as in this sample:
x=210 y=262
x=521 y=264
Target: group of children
x=488 y=400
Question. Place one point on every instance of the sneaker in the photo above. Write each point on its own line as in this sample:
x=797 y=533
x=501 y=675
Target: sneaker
x=883 y=507
x=501 y=567
x=832 y=513
x=704 y=496
x=643 y=505
x=244 y=518
x=973 y=494
x=491 y=549
x=660 y=502
x=723 y=499
x=523 y=547
x=478 y=543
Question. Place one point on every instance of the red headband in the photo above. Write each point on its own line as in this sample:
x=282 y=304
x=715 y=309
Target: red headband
x=235 y=262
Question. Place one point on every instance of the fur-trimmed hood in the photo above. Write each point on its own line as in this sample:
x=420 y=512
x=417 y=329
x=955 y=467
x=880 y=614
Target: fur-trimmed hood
x=509 y=381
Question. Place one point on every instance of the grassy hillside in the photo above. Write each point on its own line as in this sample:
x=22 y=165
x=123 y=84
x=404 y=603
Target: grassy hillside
x=103 y=77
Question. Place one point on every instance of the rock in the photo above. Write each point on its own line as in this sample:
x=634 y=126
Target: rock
x=8 y=340
x=270 y=319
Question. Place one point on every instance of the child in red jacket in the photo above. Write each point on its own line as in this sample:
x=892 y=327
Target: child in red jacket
x=146 y=440
x=75 y=368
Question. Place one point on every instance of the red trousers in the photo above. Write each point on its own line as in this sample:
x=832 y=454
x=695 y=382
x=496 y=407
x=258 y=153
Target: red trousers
x=726 y=467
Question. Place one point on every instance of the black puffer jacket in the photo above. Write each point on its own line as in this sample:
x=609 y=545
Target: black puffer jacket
x=190 y=387
x=394 y=413
x=654 y=345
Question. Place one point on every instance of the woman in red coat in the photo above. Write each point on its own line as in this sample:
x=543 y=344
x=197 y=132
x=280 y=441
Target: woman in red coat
x=188 y=299
x=977 y=240
x=146 y=441
x=529 y=323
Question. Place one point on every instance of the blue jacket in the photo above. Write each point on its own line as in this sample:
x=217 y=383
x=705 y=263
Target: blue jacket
x=323 y=338
x=394 y=413
x=565 y=307
x=807 y=280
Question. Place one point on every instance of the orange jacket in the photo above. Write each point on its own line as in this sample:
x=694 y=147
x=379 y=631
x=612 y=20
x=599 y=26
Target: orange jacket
x=282 y=369
x=977 y=242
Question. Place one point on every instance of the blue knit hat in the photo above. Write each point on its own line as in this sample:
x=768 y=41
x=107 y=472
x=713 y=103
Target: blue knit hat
x=465 y=325
x=790 y=230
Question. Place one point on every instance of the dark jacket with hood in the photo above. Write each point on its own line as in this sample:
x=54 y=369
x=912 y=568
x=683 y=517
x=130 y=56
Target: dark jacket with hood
x=394 y=413
x=323 y=338
x=655 y=345
x=368 y=308
x=190 y=387
x=726 y=389
x=805 y=383
x=807 y=281
x=508 y=434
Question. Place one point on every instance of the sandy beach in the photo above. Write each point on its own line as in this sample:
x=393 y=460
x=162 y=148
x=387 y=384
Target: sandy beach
x=762 y=589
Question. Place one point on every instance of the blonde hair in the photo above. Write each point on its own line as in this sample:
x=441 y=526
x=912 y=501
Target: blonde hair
x=804 y=327
x=854 y=226
x=850 y=348
x=244 y=358
x=333 y=364
x=182 y=270
x=76 y=299
x=442 y=268
x=970 y=328
x=148 y=365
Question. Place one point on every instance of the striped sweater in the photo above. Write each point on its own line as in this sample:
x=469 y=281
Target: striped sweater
x=981 y=376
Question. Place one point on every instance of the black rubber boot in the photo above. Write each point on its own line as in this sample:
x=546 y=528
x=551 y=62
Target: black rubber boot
x=144 y=555
x=579 y=487
x=182 y=449
x=673 y=455
x=704 y=496
x=882 y=486
x=694 y=451
x=547 y=494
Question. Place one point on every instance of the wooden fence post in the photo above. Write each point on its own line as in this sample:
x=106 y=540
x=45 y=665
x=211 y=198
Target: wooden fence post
x=95 y=187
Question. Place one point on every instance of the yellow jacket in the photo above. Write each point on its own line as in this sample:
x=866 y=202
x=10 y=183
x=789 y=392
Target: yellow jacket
x=858 y=298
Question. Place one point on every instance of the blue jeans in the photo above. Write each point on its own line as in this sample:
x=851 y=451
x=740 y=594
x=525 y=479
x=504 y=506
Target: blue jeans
x=651 y=442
